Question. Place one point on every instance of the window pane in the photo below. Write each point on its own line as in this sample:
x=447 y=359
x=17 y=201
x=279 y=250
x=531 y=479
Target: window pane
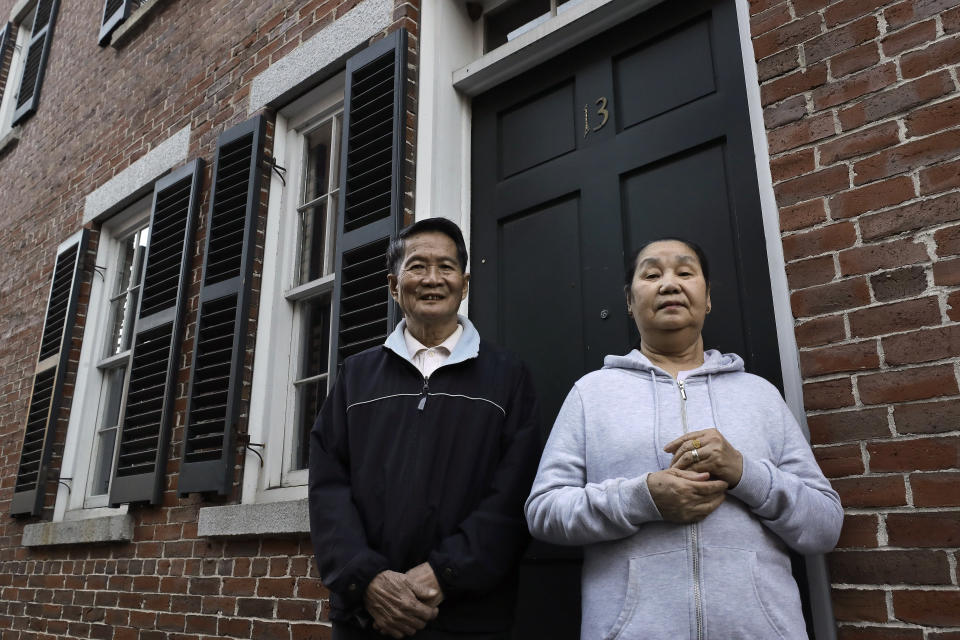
x=126 y=267
x=313 y=231
x=318 y=161
x=316 y=336
x=107 y=434
x=310 y=397
x=335 y=160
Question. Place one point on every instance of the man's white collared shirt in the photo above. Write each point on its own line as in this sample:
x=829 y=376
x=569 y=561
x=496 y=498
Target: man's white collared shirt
x=427 y=359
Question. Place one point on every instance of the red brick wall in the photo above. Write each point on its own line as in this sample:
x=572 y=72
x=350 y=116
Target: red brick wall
x=100 y=110
x=862 y=109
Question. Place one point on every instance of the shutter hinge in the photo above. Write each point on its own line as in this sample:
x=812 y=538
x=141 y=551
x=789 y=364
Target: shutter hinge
x=280 y=171
x=244 y=439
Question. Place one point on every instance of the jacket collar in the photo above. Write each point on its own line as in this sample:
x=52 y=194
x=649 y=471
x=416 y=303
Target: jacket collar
x=467 y=347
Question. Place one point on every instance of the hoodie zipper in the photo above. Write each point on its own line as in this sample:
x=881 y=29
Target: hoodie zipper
x=694 y=531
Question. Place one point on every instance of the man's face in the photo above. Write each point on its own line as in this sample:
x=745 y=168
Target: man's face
x=430 y=284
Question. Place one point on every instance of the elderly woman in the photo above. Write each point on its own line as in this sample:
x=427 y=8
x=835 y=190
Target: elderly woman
x=686 y=478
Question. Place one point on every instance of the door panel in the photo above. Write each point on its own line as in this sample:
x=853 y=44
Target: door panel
x=639 y=133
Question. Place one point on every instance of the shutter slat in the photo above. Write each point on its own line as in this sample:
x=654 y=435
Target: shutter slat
x=38 y=50
x=220 y=348
x=114 y=14
x=47 y=390
x=147 y=414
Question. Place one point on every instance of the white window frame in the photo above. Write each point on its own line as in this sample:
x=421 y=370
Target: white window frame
x=86 y=409
x=273 y=424
x=12 y=86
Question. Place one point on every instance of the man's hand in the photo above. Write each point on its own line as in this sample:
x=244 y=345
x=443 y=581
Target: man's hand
x=714 y=455
x=685 y=496
x=395 y=602
x=423 y=575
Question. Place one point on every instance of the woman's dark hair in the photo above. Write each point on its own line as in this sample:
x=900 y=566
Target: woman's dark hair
x=398 y=248
x=630 y=267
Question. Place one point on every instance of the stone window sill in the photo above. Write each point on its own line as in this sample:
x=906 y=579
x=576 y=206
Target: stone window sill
x=117 y=528
x=9 y=139
x=122 y=33
x=271 y=519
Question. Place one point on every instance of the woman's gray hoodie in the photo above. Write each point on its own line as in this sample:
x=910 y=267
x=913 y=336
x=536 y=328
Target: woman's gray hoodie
x=725 y=577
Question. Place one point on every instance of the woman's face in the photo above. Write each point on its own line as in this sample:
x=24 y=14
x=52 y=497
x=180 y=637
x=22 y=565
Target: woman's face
x=668 y=291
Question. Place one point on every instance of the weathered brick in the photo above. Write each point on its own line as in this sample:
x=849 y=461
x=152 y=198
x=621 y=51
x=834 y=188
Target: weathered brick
x=854 y=86
x=927 y=417
x=806 y=273
x=873 y=257
x=829 y=394
x=312 y=631
x=805 y=7
x=786 y=36
x=871 y=197
x=842 y=460
x=847 y=10
x=904 y=13
x=909 y=217
x=856 y=59
x=895 y=100
x=792 y=165
x=878 y=633
x=820 y=240
x=772 y=18
x=921 y=454
x=785 y=112
x=935 y=489
x=848 y=426
x=911 y=384
x=951 y=20
x=922 y=346
x=940 y=177
x=859 y=531
x=933 y=608
x=871 y=491
x=857 y=356
x=793 y=84
x=803 y=215
x=860 y=143
x=820 y=331
x=953 y=306
x=828 y=298
x=859 y=605
x=946 y=273
x=939 y=54
x=839 y=39
x=948 y=240
x=908 y=156
x=778 y=64
x=797 y=134
x=909 y=38
x=889 y=567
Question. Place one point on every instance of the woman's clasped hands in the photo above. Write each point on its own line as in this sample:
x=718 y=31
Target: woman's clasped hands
x=703 y=467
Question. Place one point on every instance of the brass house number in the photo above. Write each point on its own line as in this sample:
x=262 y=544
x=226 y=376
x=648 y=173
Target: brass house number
x=602 y=113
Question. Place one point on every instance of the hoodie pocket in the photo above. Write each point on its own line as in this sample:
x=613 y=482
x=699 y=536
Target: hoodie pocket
x=656 y=601
x=734 y=605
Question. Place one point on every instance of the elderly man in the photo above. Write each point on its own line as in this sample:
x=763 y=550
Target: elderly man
x=420 y=462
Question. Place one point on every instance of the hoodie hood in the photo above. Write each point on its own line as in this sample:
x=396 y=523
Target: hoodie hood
x=713 y=362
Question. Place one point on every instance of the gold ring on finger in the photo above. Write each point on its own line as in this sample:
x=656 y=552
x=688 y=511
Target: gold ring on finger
x=696 y=455
x=696 y=443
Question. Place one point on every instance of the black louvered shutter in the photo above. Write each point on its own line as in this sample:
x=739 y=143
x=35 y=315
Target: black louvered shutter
x=48 y=380
x=220 y=344
x=148 y=408
x=37 y=51
x=6 y=40
x=114 y=13
x=371 y=184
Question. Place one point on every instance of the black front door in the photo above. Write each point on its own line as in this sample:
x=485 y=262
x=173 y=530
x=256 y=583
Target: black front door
x=640 y=133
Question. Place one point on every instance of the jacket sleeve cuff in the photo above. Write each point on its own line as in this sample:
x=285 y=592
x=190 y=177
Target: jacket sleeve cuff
x=359 y=574
x=638 y=504
x=754 y=485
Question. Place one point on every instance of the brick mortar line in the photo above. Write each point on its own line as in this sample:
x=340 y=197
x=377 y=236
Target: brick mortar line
x=902 y=586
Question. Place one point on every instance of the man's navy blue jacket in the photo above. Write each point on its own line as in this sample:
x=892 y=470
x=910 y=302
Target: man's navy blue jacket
x=405 y=470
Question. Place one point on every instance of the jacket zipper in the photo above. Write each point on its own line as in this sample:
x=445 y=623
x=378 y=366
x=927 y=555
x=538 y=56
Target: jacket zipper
x=423 y=394
x=694 y=531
